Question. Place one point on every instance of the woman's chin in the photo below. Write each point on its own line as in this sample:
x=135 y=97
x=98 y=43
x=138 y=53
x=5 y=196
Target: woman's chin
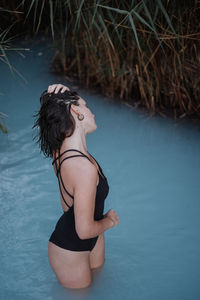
x=92 y=129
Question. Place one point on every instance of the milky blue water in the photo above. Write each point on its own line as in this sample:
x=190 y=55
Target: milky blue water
x=153 y=168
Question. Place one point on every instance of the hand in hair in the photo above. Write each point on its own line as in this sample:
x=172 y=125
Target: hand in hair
x=55 y=88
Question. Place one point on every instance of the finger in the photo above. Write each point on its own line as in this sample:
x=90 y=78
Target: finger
x=62 y=88
x=58 y=87
x=117 y=222
x=51 y=88
x=113 y=222
x=116 y=219
x=65 y=88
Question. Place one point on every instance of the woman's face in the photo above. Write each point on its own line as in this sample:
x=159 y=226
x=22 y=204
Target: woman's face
x=88 y=121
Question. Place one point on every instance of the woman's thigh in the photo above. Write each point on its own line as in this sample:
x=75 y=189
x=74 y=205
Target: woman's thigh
x=97 y=255
x=71 y=268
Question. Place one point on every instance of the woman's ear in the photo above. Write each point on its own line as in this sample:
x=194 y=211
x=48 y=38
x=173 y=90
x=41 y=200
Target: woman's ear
x=74 y=109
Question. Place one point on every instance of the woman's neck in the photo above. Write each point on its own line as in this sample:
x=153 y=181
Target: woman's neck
x=76 y=141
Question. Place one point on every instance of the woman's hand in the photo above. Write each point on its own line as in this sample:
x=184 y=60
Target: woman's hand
x=112 y=215
x=55 y=88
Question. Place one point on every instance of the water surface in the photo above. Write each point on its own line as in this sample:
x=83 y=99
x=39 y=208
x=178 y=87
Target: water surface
x=153 y=167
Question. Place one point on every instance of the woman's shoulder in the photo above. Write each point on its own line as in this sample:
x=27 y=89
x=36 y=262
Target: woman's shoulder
x=79 y=168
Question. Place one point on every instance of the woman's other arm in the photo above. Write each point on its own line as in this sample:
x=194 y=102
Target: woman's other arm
x=84 y=179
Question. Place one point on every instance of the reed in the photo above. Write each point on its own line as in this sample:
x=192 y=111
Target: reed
x=7 y=37
x=144 y=52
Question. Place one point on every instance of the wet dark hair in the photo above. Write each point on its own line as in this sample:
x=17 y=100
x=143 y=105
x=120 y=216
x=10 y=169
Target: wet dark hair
x=54 y=120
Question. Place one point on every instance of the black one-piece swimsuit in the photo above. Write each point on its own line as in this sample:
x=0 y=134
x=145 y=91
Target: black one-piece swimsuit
x=65 y=235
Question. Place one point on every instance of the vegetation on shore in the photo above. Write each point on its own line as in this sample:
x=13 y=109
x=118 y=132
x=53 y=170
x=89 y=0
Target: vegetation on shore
x=143 y=52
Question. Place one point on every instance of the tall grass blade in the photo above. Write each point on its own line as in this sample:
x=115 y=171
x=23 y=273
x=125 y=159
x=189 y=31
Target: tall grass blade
x=142 y=20
x=40 y=15
x=115 y=27
x=156 y=13
x=166 y=15
x=78 y=17
x=35 y=14
x=5 y=59
x=150 y=20
x=105 y=30
x=30 y=8
x=3 y=128
x=88 y=30
x=5 y=32
x=10 y=11
x=13 y=70
x=120 y=11
x=134 y=30
x=98 y=28
x=95 y=11
x=51 y=17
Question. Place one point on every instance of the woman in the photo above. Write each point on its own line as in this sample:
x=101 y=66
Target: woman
x=77 y=244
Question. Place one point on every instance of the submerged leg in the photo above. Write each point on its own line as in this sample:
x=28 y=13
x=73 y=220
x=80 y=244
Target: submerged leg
x=72 y=268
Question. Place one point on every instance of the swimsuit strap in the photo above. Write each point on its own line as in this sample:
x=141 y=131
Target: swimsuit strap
x=58 y=173
x=77 y=155
x=59 y=155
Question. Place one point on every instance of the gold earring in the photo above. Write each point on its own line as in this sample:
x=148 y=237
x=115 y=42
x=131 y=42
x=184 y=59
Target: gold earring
x=80 y=117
